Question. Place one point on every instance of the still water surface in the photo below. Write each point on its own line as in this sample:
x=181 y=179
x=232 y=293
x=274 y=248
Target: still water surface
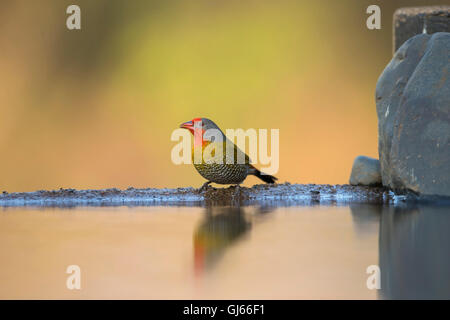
x=225 y=253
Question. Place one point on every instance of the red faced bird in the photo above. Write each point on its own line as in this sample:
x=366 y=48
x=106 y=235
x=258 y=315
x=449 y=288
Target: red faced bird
x=217 y=158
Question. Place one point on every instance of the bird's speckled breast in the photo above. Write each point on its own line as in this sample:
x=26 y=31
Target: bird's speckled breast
x=223 y=173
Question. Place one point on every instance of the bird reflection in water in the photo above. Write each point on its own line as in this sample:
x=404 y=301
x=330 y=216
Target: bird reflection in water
x=220 y=228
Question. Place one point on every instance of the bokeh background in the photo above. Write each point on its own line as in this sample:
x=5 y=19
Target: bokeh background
x=95 y=108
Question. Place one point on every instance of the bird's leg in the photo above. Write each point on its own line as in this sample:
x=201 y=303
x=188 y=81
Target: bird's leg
x=236 y=197
x=237 y=191
x=204 y=186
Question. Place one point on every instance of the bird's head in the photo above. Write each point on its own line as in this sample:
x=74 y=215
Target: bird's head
x=199 y=126
x=202 y=124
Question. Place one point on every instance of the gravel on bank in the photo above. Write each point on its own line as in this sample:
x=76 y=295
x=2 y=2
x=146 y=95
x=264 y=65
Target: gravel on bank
x=279 y=195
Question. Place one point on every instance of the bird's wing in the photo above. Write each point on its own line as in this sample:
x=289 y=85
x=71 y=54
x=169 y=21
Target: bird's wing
x=232 y=149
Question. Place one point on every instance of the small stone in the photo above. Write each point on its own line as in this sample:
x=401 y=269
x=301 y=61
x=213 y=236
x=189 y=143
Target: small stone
x=365 y=171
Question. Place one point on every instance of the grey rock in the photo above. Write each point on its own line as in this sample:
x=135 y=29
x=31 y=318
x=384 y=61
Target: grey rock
x=389 y=92
x=413 y=108
x=365 y=171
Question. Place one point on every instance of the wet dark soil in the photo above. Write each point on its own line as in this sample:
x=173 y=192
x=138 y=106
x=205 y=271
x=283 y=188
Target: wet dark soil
x=277 y=194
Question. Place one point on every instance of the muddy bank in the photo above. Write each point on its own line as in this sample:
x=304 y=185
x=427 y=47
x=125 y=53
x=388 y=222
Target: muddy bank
x=277 y=195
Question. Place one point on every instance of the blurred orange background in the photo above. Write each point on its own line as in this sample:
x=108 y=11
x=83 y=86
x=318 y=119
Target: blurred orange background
x=95 y=107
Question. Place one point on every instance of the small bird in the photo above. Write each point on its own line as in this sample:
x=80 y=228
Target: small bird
x=227 y=172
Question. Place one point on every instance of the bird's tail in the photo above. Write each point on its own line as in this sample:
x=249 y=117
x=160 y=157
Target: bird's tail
x=267 y=178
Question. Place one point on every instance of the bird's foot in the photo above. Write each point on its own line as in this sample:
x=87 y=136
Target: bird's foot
x=237 y=191
x=204 y=187
x=236 y=196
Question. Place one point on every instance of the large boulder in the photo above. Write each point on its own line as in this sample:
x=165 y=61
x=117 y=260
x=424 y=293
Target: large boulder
x=413 y=108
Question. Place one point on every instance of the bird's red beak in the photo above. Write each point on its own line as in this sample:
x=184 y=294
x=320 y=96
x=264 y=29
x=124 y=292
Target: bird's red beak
x=188 y=125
